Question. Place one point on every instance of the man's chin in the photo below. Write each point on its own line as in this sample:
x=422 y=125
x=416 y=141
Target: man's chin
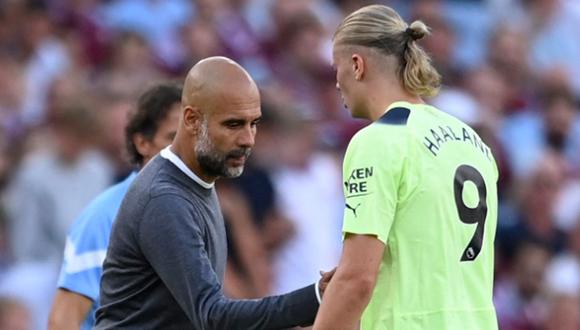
x=234 y=172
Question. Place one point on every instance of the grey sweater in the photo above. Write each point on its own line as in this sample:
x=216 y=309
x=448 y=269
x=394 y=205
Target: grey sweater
x=166 y=260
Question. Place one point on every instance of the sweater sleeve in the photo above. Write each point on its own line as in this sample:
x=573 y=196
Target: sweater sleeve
x=172 y=241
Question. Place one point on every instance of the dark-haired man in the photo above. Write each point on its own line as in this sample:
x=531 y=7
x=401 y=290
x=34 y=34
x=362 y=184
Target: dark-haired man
x=150 y=128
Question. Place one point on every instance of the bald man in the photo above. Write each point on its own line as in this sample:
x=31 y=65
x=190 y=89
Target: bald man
x=166 y=260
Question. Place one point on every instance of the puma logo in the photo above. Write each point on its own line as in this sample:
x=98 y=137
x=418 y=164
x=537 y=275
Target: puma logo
x=353 y=209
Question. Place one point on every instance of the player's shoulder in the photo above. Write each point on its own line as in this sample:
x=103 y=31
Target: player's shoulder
x=116 y=191
x=103 y=209
x=427 y=115
x=110 y=199
x=428 y=119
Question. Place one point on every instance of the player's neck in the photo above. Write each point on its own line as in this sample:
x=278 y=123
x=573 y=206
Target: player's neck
x=381 y=99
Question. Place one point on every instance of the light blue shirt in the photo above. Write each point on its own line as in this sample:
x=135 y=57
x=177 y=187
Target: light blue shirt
x=86 y=246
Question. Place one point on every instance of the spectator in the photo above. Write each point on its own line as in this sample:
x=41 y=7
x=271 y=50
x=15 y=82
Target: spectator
x=130 y=64
x=520 y=299
x=114 y=112
x=308 y=185
x=13 y=315
x=157 y=22
x=567 y=211
x=32 y=285
x=248 y=272
x=563 y=274
x=52 y=185
x=305 y=72
x=556 y=125
x=551 y=23
x=563 y=313
x=200 y=40
x=441 y=44
x=12 y=84
x=535 y=219
x=46 y=60
x=507 y=47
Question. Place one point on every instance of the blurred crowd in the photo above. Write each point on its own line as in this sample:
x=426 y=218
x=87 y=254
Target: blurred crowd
x=71 y=70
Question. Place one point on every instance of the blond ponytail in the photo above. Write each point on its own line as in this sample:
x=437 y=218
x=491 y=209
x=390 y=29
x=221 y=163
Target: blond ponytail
x=380 y=27
x=417 y=73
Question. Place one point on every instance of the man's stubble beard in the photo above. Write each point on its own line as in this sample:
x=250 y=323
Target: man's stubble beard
x=214 y=162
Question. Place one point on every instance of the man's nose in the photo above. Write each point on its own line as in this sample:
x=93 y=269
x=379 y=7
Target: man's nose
x=247 y=136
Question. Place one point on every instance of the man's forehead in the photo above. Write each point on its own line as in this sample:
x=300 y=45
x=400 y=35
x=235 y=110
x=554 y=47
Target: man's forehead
x=243 y=112
x=231 y=100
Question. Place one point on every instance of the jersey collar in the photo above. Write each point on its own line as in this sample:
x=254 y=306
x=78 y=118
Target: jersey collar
x=399 y=104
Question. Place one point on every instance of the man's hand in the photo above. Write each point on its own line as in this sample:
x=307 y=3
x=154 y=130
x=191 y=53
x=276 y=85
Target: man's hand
x=352 y=286
x=324 y=280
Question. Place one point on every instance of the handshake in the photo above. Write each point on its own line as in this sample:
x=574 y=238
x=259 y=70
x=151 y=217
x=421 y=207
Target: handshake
x=323 y=282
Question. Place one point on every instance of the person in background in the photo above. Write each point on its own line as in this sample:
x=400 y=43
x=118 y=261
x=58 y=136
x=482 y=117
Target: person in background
x=150 y=128
x=535 y=220
x=55 y=182
x=14 y=315
x=520 y=298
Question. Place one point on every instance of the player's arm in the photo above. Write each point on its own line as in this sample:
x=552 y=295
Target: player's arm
x=79 y=278
x=351 y=289
x=371 y=185
x=69 y=310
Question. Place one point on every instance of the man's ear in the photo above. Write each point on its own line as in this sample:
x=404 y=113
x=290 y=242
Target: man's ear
x=192 y=118
x=358 y=66
x=142 y=144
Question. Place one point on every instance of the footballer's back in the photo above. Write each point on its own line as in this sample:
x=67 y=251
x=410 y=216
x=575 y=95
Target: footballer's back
x=437 y=271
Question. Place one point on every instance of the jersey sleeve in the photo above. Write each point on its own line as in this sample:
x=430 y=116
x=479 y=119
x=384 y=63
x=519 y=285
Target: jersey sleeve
x=85 y=251
x=371 y=176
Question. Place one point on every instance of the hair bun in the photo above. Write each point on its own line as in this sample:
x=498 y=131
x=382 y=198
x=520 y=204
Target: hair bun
x=417 y=30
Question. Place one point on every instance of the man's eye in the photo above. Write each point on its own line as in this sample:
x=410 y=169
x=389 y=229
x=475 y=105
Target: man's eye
x=233 y=124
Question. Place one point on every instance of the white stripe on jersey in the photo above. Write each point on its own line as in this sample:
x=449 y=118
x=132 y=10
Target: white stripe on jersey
x=77 y=263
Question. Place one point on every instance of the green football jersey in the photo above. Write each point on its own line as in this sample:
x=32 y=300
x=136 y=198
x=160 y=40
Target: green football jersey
x=425 y=184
